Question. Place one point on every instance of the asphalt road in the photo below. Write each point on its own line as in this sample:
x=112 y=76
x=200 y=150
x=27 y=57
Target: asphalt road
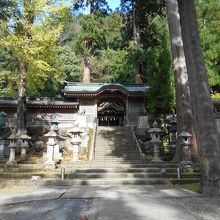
x=61 y=209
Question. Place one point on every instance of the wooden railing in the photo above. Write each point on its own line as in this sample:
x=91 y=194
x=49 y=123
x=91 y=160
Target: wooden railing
x=142 y=155
x=92 y=149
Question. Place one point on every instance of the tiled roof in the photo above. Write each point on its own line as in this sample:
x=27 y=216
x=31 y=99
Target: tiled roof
x=98 y=87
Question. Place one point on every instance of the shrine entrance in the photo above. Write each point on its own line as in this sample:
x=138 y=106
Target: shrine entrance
x=111 y=112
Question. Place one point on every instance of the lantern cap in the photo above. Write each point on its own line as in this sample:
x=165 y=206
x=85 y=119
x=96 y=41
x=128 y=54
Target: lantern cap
x=184 y=134
x=25 y=137
x=3 y=114
x=75 y=130
x=13 y=136
x=51 y=134
x=155 y=128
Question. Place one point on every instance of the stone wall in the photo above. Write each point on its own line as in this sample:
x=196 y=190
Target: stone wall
x=88 y=107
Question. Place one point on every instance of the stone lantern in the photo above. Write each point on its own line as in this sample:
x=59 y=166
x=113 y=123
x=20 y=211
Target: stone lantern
x=186 y=143
x=12 y=146
x=75 y=134
x=24 y=144
x=55 y=123
x=173 y=130
x=52 y=141
x=155 y=132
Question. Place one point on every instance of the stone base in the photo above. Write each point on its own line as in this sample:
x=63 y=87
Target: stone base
x=156 y=160
x=186 y=166
x=50 y=167
x=4 y=150
x=11 y=162
x=50 y=163
x=58 y=156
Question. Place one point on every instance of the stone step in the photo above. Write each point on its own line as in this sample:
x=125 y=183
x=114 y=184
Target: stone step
x=110 y=181
x=87 y=176
x=116 y=159
x=124 y=170
x=104 y=166
x=119 y=181
x=133 y=175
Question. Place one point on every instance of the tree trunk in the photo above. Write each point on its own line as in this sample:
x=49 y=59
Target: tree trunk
x=183 y=101
x=137 y=39
x=202 y=106
x=92 y=7
x=21 y=109
x=87 y=70
x=86 y=7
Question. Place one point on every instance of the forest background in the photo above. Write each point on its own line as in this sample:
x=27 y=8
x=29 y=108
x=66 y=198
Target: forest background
x=61 y=42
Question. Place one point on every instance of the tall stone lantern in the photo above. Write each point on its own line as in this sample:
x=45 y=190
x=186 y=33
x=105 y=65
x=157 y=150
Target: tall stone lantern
x=52 y=141
x=12 y=146
x=155 y=132
x=24 y=144
x=173 y=130
x=75 y=134
x=186 y=163
x=55 y=123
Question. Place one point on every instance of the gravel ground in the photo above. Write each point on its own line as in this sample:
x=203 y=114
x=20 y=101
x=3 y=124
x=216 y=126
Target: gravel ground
x=13 y=186
x=208 y=208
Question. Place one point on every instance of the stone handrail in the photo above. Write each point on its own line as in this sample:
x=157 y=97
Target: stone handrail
x=92 y=149
x=142 y=155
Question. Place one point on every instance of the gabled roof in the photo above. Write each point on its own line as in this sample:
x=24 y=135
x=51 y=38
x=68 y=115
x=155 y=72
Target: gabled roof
x=97 y=88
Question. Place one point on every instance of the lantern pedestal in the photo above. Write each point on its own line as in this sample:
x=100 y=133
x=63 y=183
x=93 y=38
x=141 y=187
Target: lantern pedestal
x=186 y=163
x=12 y=160
x=75 y=134
x=52 y=141
x=156 y=152
x=155 y=132
x=75 y=152
x=24 y=144
x=23 y=153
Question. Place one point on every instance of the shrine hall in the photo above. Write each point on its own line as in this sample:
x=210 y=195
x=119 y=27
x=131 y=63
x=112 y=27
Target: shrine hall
x=112 y=104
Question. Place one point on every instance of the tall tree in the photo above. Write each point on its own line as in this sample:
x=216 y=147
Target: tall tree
x=137 y=39
x=183 y=95
x=7 y=8
x=88 y=39
x=208 y=19
x=209 y=148
x=28 y=40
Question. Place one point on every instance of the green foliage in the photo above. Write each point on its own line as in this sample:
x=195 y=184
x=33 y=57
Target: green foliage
x=215 y=95
x=159 y=73
x=33 y=40
x=70 y=64
x=7 y=8
x=209 y=20
x=91 y=36
x=112 y=66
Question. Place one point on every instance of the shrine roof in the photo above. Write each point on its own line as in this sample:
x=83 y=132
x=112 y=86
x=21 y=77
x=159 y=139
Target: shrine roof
x=43 y=103
x=95 y=88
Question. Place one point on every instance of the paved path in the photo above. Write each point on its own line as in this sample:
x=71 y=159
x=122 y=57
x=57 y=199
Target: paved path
x=99 y=203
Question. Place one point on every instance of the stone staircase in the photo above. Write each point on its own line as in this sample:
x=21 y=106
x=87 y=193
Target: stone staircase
x=116 y=162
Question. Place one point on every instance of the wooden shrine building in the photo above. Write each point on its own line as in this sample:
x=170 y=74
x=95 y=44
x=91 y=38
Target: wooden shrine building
x=112 y=104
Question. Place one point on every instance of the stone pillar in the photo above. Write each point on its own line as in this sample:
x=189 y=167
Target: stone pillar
x=12 y=146
x=75 y=151
x=50 y=151
x=75 y=134
x=24 y=147
x=24 y=144
x=186 y=163
x=155 y=132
